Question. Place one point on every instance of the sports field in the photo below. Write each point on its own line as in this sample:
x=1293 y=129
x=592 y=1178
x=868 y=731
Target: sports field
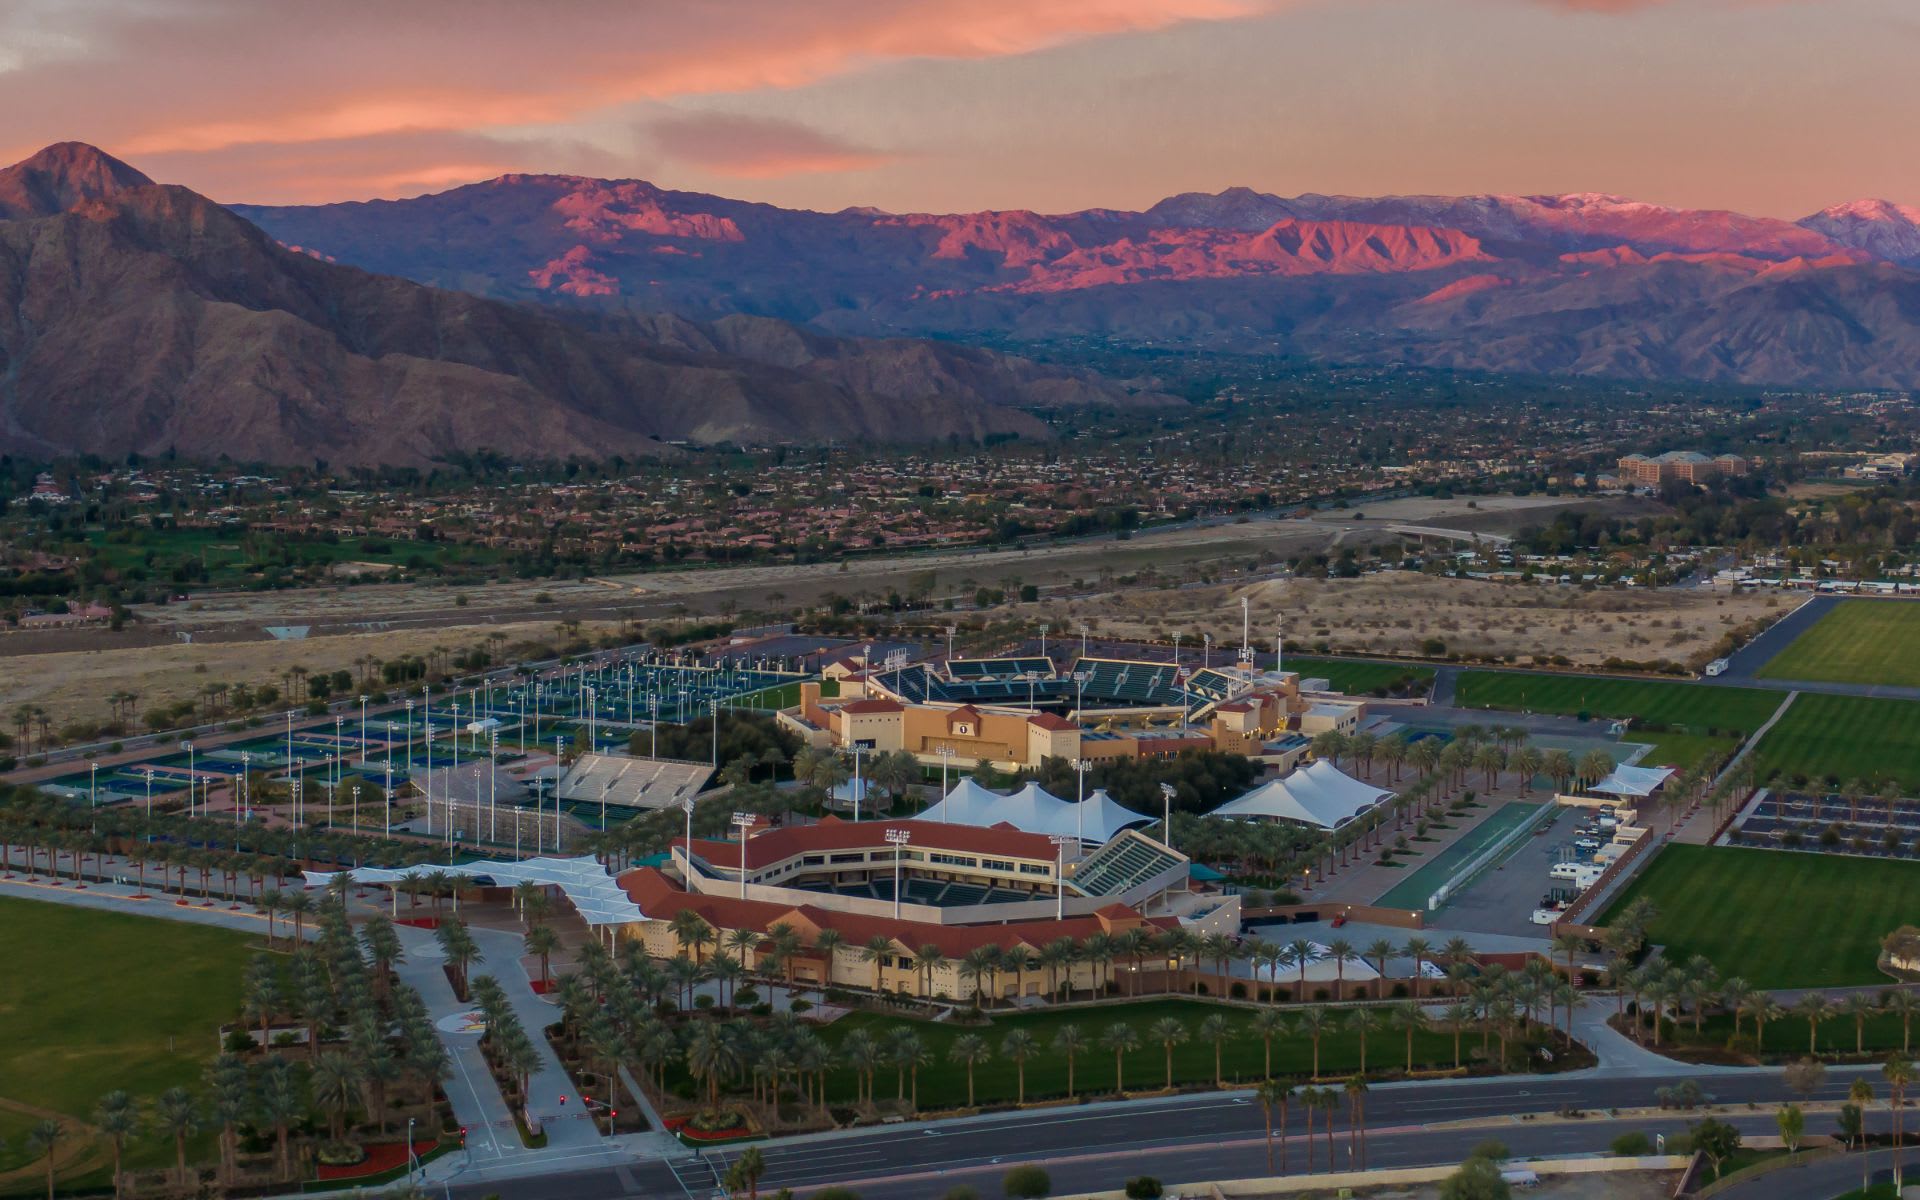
x=1835 y=739
x=1696 y=707
x=1858 y=641
x=1356 y=677
x=93 y=1001
x=1775 y=918
x=1412 y=892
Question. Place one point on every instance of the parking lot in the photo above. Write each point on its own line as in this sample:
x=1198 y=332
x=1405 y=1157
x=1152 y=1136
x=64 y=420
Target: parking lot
x=1504 y=898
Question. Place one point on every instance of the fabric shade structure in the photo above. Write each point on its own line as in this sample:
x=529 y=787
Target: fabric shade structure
x=1033 y=809
x=1637 y=782
x=1320 y=795
x=587 y=886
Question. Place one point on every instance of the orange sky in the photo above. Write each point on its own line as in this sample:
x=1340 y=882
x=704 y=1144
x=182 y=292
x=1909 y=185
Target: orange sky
x=1768 y=106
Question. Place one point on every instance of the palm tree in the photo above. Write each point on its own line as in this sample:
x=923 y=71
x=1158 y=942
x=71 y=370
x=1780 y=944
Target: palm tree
x=971 y=1050
x=335 y=1085
x=691 y=930
x=712 y=1056
x=1898 y=1072
x=1215 y=1029
x=927 y=958
x=1274 y=1095
x=1301 y=953
x=542 y=941
x=1860 y=1006
x=45 y=1135
x=279 y=1106
x=1558 y=765
x=1120 y=1037
x=878 y=947
x=1019 y=1046
x=1356 y=1089
x=909 y=1052
x=826 y=944
x=1071 y=1042
x=1813 y=1008
x=1169 y=1032
x=1762 y=1008
x=1526 y=763
x=1903 y=1004
x=1595 y=765
x=118 y=1117
x=179 y=1116
x=1419 y=950
x=1315 y=1022
x=1270 y=1023
x=1458 y=1016
x=1409 y=1017
x=1363 y=1021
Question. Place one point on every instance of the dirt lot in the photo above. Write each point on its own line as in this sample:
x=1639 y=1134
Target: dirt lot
x=1397 y=611
x=73 y=686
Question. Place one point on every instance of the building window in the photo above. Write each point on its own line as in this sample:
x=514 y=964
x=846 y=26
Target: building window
x=848 y=858
x=952 y=860
x=1033 y=869
x=996 y=864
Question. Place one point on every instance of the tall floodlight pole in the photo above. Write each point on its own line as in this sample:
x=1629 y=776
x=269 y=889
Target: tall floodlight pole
x=93 y=789
x=246 y=788
x=559 y=748
x=951 y=630
x=150 y=806
x=686 y=806
x=1206 y=651
x=716 y=733
x=1279 y=646
x=1176 y=647
x=493 y=784
x=1246 y=629
x=593 y=742
x=1166 y=820
x=1060 y=841
x=1043 y=638
x=1083 y=641
x=426 y=738
x=409 y=750
x=1080 y=768
x=192 y=775
x=898 y=839
x=946 y=760
x=363 y=718
x=742 y=821
x=1080 y=692
x=653 y=725
x=289 y=742
x=856 y=782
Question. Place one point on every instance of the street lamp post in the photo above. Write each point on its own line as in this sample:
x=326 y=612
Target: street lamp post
x=898 y=839
x=743 y=821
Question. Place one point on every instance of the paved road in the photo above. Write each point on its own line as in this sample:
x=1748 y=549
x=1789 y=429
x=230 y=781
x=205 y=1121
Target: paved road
x=1188 y=1138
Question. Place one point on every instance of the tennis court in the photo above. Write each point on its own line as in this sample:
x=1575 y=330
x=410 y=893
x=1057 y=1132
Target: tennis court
x=1412 y=892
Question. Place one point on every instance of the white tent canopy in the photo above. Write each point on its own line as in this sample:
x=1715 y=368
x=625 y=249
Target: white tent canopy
x=586 y=885
x=1032 y=809
x=1319 y=795
x=1633 y=781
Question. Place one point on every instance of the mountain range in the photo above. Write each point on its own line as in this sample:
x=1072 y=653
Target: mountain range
x=139 y=317
x=1585 y=284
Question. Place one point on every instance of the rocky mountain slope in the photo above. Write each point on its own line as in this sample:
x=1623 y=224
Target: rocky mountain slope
x=1585 y=283
x=140 y=317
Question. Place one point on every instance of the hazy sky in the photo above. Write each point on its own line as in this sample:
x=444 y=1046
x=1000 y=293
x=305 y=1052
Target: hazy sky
x=1777 y=107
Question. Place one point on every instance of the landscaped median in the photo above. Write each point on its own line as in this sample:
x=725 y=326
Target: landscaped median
x=1338 y=1182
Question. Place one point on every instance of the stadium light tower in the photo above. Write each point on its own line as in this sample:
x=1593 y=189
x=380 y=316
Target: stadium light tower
x=1246 y=633
x=898 y=839
x=1206 y=650
x=951 y=630
x=1043 y=638
x=1166 y=820
x=946 y=760
x=1060 y=841
x=743 y=821
x=93 y=787
x=686 y=806
x=1176 y=647
x=1080 y=768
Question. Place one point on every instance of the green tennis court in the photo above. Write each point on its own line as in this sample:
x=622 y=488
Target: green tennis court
x=1412 y=892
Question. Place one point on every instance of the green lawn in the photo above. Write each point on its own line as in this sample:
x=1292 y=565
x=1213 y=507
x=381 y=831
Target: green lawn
x=1361 y=678
x=1776 y=918
x=1858 y=641
x=1683 y=750
x=1787 y=1037
x=93 y=1001
x=1840 y=738
x=1693 y=707
x=780 y=695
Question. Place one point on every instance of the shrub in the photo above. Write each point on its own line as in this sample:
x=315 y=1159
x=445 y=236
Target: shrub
x=800 y=1006
x=1493 y=1149
x=1631 y=1145
x=1027 y=1182
x=1143 y=1187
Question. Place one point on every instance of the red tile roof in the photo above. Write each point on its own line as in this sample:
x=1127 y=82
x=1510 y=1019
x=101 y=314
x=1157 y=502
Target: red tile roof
x=660 y=898
x=831 y=833
x=1051 y=721
x=870 y=706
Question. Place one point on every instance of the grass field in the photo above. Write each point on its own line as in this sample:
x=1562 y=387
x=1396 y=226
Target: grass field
x=1412 y=892
x=781 y=695
x=1683 y=750
x=1356 y=677
x=1775 y=918
x=1858 y=641
x=1839 y=738
x=1692 y=706
x=93 y=1001
x=943 y=1083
